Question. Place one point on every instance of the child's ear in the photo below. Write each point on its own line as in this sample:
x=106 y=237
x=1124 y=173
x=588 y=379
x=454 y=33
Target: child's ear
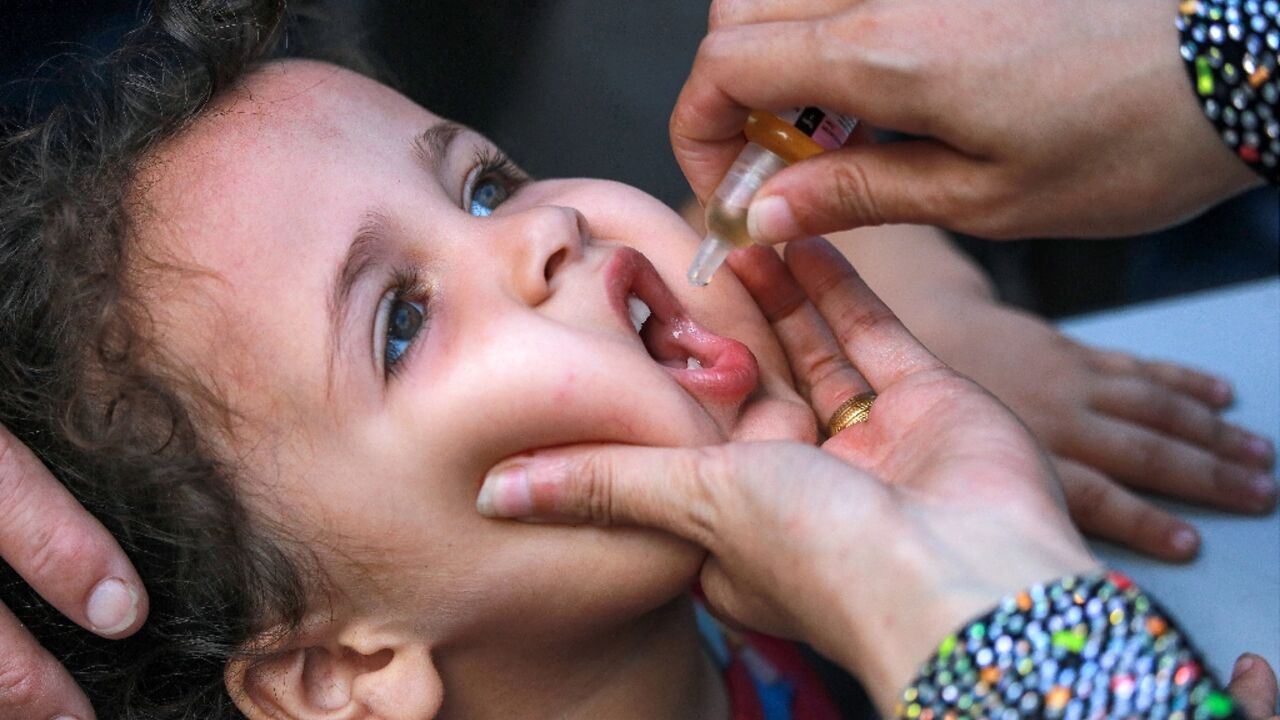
x=351 y=675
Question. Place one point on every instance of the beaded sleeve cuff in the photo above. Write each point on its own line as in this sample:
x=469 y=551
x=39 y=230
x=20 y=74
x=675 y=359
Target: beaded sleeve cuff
x=1081 y=647
x=1230 y=49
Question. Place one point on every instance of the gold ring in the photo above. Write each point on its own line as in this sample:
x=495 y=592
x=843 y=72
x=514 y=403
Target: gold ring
x=856 y=409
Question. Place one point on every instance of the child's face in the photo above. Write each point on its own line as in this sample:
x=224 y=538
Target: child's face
x=376 y=386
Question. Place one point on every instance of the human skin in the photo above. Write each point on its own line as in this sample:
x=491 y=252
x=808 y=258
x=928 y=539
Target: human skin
x=525 y=346
x=941 y=495
x=1035 y=118
x=1113 y=423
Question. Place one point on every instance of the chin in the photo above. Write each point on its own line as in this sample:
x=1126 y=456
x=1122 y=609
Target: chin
x=576 y=580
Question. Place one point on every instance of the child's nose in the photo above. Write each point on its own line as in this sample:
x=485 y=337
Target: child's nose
x=544 y=239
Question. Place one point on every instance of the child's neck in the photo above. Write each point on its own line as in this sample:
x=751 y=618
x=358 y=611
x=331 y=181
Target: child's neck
x=653 y=668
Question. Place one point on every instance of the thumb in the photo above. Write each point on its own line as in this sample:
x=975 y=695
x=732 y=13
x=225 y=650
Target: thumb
x=672 y=489
x=920 y=182
x=1253 y=684
x=704 y=494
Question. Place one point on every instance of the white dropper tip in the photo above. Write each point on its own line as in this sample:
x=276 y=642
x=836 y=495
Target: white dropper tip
x=711 y=254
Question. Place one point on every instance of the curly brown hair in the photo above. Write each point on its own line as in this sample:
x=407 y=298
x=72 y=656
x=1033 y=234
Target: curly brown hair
x=82 y=384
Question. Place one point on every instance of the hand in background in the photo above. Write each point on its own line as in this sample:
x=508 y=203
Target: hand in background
x=75 y=564
x=1113 y=423
x=1035 y=118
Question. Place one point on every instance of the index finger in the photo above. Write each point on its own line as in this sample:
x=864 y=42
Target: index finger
x=61 y=550
x=873 y=338
x=822 y=371
x=743 y=67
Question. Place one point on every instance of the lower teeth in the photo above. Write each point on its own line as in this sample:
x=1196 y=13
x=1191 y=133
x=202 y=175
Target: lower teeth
x=693 y=364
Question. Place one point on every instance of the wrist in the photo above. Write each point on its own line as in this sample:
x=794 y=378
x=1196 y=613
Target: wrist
x=897 y=623
x=1230 y=53
x=1083 y=644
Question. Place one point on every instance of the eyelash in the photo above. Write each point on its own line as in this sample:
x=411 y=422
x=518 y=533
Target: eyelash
x=407 y=285
x=491 y=163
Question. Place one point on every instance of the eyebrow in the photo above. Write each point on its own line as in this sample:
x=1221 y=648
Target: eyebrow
x=432 y=145
x=361 y=257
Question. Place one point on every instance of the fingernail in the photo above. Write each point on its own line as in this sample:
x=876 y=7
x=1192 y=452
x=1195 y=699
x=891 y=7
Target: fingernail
x=113 y=606
x=1242 y=666
x=64 y=717
x=769 y=220
x=1259 y=448
x=1184 y=540
x=1222 y=392
x=505 y=493
x=1263 y=488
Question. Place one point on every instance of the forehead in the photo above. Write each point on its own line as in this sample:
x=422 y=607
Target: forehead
x=252 y=205
x=283 y=123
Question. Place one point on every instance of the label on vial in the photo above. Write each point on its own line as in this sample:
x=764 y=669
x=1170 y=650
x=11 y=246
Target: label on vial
x=828 y=129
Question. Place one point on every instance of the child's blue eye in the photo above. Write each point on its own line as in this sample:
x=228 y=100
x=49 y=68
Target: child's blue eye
x=487 y=195
x=491 y=182
x=403 y=323
x=401 y=318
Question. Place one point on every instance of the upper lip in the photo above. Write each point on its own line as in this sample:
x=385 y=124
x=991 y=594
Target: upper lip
x=629 y=272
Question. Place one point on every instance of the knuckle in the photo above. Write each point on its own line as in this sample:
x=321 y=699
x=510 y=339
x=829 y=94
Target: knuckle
x=1119 y=362
x=597 y=488
x=722 y=13
x=10 y=476
x=854 y=199
x=1164 y=408
x=1222 y=434
x=55 y=547
x=716 y=45
x=821 y=368
x=827 y=291
x=1227 y=479
x=1154 y=455
x=21 y=682
x=1084 y=495
x=1171 y=374
x=712 y=468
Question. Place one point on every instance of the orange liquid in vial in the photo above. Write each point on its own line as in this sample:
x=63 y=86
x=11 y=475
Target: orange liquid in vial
x=728 y=223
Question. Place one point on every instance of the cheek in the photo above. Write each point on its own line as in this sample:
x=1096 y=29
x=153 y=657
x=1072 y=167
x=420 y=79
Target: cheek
x=520 y=382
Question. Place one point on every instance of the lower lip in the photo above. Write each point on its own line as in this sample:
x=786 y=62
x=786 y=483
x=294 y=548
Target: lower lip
x=729 y=370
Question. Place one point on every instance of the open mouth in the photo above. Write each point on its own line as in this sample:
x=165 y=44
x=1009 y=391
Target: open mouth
x=709 y=367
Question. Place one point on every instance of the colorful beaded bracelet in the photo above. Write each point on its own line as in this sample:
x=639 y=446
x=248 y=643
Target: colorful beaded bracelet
x=1230 y=48
x=1081 y=647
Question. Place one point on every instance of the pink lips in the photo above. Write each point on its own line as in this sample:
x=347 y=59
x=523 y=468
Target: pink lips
x=729 y=371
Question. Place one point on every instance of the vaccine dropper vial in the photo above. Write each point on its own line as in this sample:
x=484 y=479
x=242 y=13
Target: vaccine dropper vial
x=773 y=142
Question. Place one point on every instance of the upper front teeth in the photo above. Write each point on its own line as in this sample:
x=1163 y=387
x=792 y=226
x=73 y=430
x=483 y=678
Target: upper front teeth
x=638 y=310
